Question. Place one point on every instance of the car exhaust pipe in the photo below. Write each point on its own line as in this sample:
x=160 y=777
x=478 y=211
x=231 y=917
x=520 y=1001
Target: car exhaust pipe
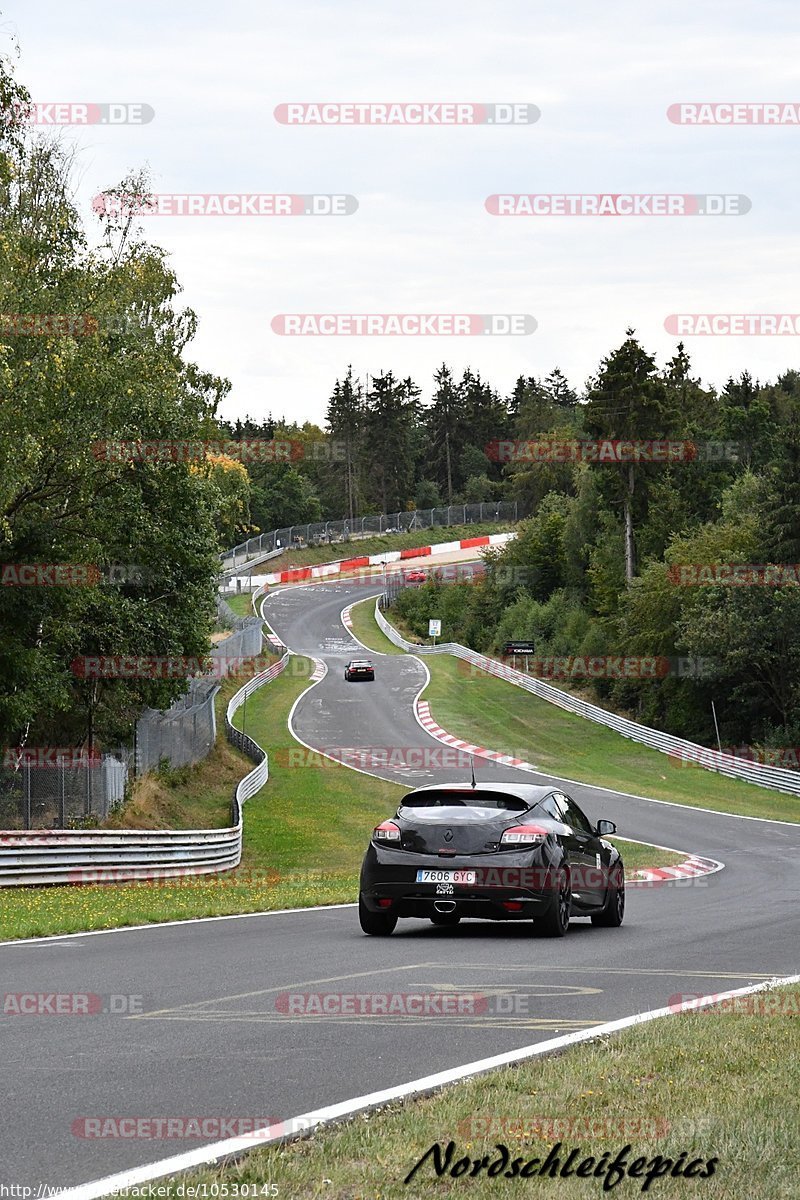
x=444 y=906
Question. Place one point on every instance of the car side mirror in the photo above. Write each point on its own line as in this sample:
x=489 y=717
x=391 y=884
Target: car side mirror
x=604 y=828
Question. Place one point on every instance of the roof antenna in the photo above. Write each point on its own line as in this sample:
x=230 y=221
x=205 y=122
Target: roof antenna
x=472 y=768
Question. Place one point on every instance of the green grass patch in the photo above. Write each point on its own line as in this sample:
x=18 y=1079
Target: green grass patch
x=366 y=629
x=709 y=1085
x=638 y=855
x=479 y=708
x=309 y=556
x=241 y=604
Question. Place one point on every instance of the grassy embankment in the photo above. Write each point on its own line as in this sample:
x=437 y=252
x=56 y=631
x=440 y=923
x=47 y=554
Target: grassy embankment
x=488 y=711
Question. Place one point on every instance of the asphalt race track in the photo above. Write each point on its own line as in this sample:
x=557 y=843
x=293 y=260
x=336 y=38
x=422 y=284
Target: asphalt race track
x=213 y=1039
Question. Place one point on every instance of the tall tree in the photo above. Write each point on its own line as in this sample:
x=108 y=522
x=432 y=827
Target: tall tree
x=443 y=421
x=628 y=401
x=392 y=411
x=345 y=421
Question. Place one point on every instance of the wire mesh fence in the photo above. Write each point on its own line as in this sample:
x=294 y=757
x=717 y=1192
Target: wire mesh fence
x=71 y=790
x=325 y=532
x=186 y=732
x=64 y=794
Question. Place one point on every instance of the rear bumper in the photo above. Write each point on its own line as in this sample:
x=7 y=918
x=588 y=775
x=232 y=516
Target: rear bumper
x=521 y=879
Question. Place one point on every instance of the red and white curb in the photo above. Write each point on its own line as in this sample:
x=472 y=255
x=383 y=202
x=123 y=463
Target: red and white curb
x=320 y=670
x=340 y=566
x=693 y=867
x=423 y=713
x=347 y=617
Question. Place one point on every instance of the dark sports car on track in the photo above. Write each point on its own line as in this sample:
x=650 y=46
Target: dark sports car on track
x=504 y=852
x=359 y=668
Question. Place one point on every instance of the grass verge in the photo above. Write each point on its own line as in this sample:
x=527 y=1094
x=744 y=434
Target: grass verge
x=663 y=1089
x=241 y=603
x=491 y=712
x=366 y=630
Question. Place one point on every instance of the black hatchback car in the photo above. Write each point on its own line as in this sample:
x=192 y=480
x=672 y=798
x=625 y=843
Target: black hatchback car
x=504 y=852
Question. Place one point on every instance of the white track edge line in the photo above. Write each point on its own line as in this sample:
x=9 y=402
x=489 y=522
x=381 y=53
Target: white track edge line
x=306 y=1123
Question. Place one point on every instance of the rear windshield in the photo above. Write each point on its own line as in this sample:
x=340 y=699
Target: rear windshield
x=466 y=798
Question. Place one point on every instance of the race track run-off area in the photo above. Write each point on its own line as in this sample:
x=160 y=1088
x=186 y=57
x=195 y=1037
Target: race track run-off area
x=214 y=1035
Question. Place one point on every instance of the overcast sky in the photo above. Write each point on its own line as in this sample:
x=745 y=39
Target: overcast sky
x=603 y=76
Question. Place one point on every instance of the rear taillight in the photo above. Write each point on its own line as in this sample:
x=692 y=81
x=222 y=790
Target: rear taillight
x=523 y=835
x=386 y=832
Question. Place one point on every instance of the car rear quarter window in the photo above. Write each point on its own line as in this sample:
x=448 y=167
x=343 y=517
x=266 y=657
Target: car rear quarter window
x=572 y=814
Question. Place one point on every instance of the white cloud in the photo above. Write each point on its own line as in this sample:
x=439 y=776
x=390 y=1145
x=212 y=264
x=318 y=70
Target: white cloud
x=603 y=76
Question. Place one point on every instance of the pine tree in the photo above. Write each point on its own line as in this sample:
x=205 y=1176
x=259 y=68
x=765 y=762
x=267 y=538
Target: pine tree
x=344 y=418
x=630 y=402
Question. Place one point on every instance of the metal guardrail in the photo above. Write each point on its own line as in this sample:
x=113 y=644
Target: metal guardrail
x=778 y=778
x=125 y=855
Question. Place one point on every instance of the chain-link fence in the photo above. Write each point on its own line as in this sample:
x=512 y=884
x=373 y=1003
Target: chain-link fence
x=62 y=795
x=183 y=734
x=231 y=620
x=74 y=790
x=324 y=532
x=186 y=732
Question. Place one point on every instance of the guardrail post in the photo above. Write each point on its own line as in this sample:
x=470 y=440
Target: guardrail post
x=26 y=795
x=62 y=796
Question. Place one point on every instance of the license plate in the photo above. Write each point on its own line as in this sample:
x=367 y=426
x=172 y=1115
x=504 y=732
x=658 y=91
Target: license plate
x=446 y=876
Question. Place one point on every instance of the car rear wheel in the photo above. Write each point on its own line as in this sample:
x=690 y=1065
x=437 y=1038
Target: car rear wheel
x=555 y=922
x=347 y=676
x=376 y=924
x=612 y=912
x=446 y=919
